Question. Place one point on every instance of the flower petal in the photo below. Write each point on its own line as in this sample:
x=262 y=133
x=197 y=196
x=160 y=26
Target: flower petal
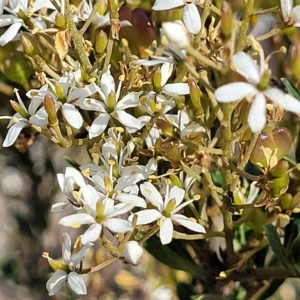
x=257 y=113
x=10 y=33
x=13 y=133
x=166 y=231
x=286 y=101
x=176 y=35
x=186 y=222
x=151 y=194
x=164 y=4
x=72 y=115
x=191 y=18
x=295 y=15
x=66 y=248
x=234 y=91
x=131 y=123
x=99 y=124
x=56 y=282
x=76 y=220
x=166 y=71
x=286 y=7
x=118 y=225
x=76 y=283
x=138 y=201
x=91 y=234
x=146 y=216
x=246 y=66
x=176 y=89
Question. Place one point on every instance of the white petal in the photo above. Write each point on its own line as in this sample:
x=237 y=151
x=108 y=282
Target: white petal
x=166 y=231
x=10 y=33
x=85 y=92
x=76 y=220
x=151 y=194
x=245 y=66
x=166 y=71
x=76 y=283
x=118 y=225
x=78 y=257
x=176 y=89
x=295 y=15
x=61 y=207
x=91 y=234
x=176 y=35
x=191 y=18
x=131 y=123
x=286 y=7
x=56 y=282
x=176 y=193
x=72 y=115
x=138 y=201
x=133 y=253
x=146 y=216
x=90 y=198
x=118 y=209
x=184 y=221
x=286 y=101
x=107 y=85
x=167 y=4
x=234 y=91
x=13 y=133
x=257 y=113
x=66 y=248
x=130 y=100
x=99 y=124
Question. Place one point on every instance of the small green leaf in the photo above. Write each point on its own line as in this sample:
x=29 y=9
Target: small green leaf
x=277 y=247
x=72 y=162
x=174 y=255
x=291 y=89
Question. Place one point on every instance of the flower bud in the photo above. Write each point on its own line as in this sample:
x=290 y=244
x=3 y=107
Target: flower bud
x=101 y=42
x=50 y=108
x=19 y=109
x=157 y=81
x=226 y=21
x=195 y=95
x=29 y=44
x=293 y=63
x=174 y=179
x=176 y=34
x=133 y=253
x=280 y=169
x=280 y=185
x=60 y=21
x=167 y=129
x=286 y=201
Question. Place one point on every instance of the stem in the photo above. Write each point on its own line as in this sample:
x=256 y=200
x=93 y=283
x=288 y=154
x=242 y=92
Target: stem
x=77 y=39
x=109 y=49
x=244 y=26
x=103 y=265
x=183 y=236
x=153 y=230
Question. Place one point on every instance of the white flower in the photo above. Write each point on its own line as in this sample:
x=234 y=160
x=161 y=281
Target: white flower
x=13 y=19
x=176 y=35
x=99 y=211
x=166 y=211
x=235 y=91
x=191 y=16
x=18 y=122
x=133 y=253
x=290 y=14
x=70 y=183
x=112 y=107
x=66 y=271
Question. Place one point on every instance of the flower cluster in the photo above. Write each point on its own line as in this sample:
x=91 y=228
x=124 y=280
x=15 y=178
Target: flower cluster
x=174 y=110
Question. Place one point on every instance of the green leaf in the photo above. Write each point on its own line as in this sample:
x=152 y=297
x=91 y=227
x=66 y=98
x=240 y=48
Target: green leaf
x=174 y=255
x=291 y=89
x=277 y=247
x=72 y=162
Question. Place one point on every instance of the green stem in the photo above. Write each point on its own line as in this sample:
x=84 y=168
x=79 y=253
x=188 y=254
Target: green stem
x=244 y=26
x=145 y=237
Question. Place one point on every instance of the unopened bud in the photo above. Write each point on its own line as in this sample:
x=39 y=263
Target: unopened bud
x=133 y=253
x=176 y=34
x=19 y=109
x=29 y=44
x=195 y=95
x=280 y=185
x=167 y=129
x=226 y=21
x=60 y=21
x=174 y=179
x=286 y=201
x=293 y=63
x=101 y=42
x=157 y=81
x=50 y=107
